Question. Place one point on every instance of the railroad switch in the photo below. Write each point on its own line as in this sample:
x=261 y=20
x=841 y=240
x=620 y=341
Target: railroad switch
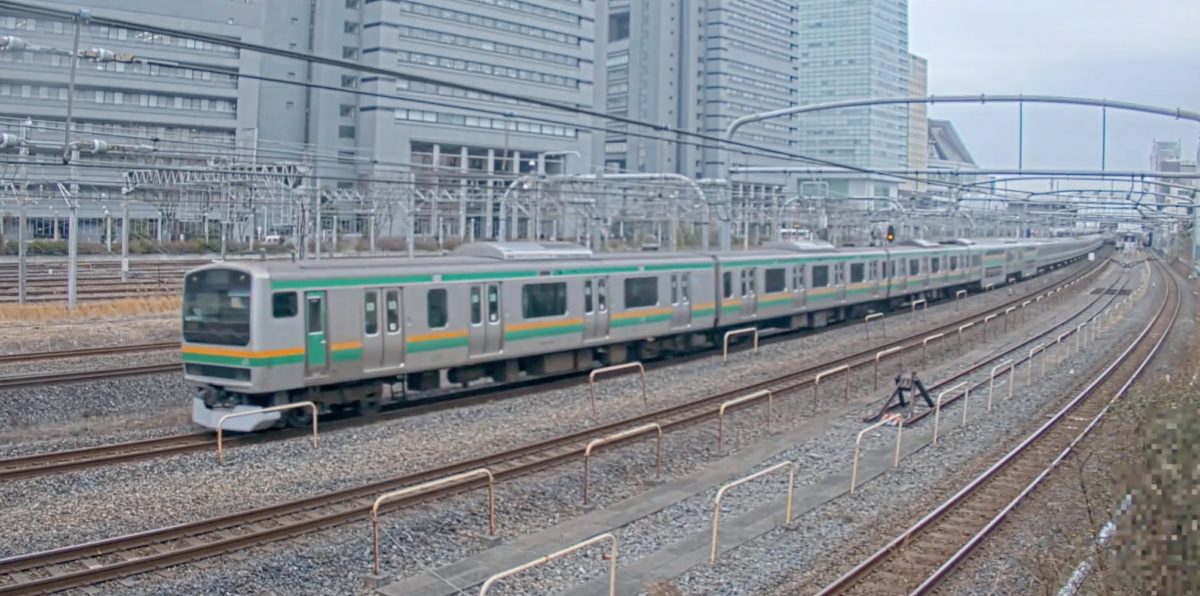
x=902 y=397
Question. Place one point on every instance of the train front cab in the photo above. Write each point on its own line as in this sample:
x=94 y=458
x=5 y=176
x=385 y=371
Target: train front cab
x=225 y=360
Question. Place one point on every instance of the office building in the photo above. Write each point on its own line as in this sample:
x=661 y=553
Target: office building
x=918 y=122
x=853 y=49
x=696 y=66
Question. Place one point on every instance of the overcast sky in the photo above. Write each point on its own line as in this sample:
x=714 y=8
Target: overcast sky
x=1143 y=51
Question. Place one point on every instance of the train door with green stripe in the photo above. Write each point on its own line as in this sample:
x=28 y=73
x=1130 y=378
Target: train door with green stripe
x=486 y=319
x=749 y=278
x=316 y=343
x=681 y=300
x=595 y=308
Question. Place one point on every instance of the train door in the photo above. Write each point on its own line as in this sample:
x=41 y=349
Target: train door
x=316 y=344
x=486 y=320
x=372 y=332
x=874 y=274
x=799 y=283
x=393 y=328
x=839 y=279
x=681 y=300
x=749 y=291
x=595 y=308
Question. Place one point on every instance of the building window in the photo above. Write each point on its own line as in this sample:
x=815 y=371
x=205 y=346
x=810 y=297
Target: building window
x=544 y=300
x=349 y=82
x=436 y=313
x=641 y=291
x=349 y=53
x=346 y=132
x=350 y=27
x=351 y=3
x=618 y=26
x=346 y=110
x=283 y=305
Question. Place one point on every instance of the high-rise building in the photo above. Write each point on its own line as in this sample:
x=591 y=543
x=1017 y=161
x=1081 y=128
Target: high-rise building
x=918 y=121
x=130 y=103
x=696 y=66
x=854 y=49
x=353 y=129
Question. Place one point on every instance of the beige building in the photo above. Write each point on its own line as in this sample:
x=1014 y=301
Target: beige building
x=918 y=121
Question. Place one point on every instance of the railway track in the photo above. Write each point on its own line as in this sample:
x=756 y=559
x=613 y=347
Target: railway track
x=78 y=376
x=927 y=553
x=82 y=352
x=95 y=562
x=50 y=463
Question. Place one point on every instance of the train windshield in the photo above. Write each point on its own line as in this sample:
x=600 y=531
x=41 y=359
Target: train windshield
x=216 y=307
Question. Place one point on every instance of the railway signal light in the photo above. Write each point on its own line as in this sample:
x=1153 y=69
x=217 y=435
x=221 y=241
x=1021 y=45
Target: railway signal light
x=891 y=234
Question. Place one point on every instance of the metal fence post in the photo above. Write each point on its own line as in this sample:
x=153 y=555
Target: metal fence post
x=617 y=368
x=612 y=563
x=716 y=524
x=621 y=436
x=858 y=444
x=741 y=401
x=299 y=404
x=735 y=332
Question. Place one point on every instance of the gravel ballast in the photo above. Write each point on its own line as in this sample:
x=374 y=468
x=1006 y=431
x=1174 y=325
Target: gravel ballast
x=191 y=487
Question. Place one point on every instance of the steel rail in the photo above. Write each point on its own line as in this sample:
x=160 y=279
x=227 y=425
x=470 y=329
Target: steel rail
x=907 y=538
x=81 y=352
x=79 y=376
x=196 y=540
x=56 y=462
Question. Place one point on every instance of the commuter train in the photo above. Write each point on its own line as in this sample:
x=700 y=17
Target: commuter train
x=336 y=332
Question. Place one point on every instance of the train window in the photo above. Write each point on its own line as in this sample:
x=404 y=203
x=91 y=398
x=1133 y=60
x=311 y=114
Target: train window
x=587 y=296
x=436 y=313
x=493 y=303
x=752 y=277
x=392 y=309
x=775 y=280
x=476 y=306
x=216 y=307
x=935 y=264
x=953 y=262
x=820 y=276
x=674 y=289
x=872 y=270
x=914 y=267
x=641 y=291
x=798 y=277
x=316 y=319
x=370 y=312
x=839 y=274
x=742 y=275
x=685 y=280
x=284 y=305
x=602 y=295
x=727 y=282
x=544 y=300
x=857 y=272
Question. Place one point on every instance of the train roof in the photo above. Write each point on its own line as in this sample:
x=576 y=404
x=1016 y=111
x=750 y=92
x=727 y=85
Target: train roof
x=510 y=256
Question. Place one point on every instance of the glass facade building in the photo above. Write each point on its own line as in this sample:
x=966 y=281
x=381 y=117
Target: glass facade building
x=852 y=49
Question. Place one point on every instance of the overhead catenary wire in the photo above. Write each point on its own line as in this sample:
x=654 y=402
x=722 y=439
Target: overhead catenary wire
x=366 y=68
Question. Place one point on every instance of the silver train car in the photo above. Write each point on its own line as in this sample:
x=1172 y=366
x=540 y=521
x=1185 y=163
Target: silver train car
x=337 y=332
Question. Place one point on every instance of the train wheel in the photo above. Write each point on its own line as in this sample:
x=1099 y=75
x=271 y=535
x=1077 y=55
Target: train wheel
x=298 y=417
x=369 y=404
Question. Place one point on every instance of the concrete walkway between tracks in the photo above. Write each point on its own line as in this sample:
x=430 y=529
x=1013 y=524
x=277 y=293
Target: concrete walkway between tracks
x=675 y=559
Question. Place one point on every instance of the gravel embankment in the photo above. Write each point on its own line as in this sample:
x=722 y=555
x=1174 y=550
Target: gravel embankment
x=332 y=560
x=82 y=414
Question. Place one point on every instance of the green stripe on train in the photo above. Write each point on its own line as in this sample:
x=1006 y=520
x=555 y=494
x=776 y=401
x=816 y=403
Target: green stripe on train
x=545 y=332
x=438 y=344
x=383 y=280
x=243 y=361
x=631 y=321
